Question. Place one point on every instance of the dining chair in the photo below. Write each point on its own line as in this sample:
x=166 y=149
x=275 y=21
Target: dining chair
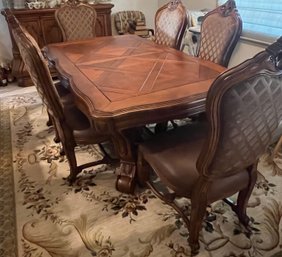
x=214 y=159
x=220 y=32
x=76 y=20
x=72 y=126
x=170 y=24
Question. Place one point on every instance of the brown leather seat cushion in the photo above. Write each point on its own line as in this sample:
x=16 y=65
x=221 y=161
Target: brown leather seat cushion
x=173 y=156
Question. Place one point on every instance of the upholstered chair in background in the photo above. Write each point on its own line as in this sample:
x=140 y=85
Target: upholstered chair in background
x=170 y=24
x=72 y=125
x=214 y=159
x=76 y=20
x=122 y=21
x=220 y=32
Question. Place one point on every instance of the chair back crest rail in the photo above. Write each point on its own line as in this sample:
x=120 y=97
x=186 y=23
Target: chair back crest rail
x=76 y=20
x=170 y=24
x=244 y=111
x=220 y=32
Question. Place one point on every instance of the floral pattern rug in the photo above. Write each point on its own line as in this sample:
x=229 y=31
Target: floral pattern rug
x=91 y=218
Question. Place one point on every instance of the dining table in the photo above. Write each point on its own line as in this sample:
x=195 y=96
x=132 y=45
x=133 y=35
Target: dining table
x=124 y=82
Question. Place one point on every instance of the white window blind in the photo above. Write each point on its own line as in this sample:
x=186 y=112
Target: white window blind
x=262 y=19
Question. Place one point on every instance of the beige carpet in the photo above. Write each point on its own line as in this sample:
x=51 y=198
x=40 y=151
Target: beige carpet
x=93 y=219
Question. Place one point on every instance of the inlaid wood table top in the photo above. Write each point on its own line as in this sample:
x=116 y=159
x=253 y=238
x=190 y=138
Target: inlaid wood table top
x=124 y=82
x=124 y=75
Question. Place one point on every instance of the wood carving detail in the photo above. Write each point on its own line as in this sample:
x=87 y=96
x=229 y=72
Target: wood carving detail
x=173 y=4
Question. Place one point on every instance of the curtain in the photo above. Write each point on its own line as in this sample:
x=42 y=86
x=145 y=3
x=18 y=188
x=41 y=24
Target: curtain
x=262 y=19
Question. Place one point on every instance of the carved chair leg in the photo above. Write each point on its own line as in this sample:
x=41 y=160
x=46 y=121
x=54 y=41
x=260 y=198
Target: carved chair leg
x=198 y=212
x=69 y=150
x=74 y=170
x=243 y=197
x=56 y=138
x=196 y=219
x=49 y=122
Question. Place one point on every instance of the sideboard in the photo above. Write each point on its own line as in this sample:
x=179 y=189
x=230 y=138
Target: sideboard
x=43 y=27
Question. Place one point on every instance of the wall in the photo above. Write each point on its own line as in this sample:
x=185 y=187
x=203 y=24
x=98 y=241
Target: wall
x=244 y=50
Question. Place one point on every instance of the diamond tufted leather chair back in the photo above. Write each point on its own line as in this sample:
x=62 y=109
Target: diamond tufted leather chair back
x=216 y=158
x=170 y=24
x=244 y=108
x=76 y=20
x=220 y=32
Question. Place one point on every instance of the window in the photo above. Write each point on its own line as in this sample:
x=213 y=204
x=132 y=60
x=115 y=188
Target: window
x=262 y=19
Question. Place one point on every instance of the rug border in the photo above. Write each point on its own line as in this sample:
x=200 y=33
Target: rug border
x=6 y=154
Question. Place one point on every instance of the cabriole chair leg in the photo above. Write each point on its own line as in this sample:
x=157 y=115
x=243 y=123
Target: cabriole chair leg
x=198 y=211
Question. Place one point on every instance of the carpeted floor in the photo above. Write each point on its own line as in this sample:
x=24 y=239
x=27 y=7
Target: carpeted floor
x=92 y=218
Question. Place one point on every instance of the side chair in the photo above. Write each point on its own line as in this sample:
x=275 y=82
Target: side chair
x=76 y=20
x=220 y=32
x=170 y=24
x=214 y=159
x=72 y=126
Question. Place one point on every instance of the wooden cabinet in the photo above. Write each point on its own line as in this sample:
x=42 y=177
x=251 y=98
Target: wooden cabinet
x=43 y=27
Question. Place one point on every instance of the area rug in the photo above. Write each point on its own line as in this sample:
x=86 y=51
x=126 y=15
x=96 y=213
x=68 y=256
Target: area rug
x=42 y=216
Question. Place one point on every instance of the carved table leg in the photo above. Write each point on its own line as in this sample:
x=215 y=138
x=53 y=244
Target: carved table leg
x=127 y=150
x=124 y=141
x=126 y=178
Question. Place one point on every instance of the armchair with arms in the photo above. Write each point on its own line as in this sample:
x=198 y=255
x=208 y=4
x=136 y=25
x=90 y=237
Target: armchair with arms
x=214 y=159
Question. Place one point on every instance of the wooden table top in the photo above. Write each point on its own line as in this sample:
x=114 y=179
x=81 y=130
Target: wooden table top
x=124 y=76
